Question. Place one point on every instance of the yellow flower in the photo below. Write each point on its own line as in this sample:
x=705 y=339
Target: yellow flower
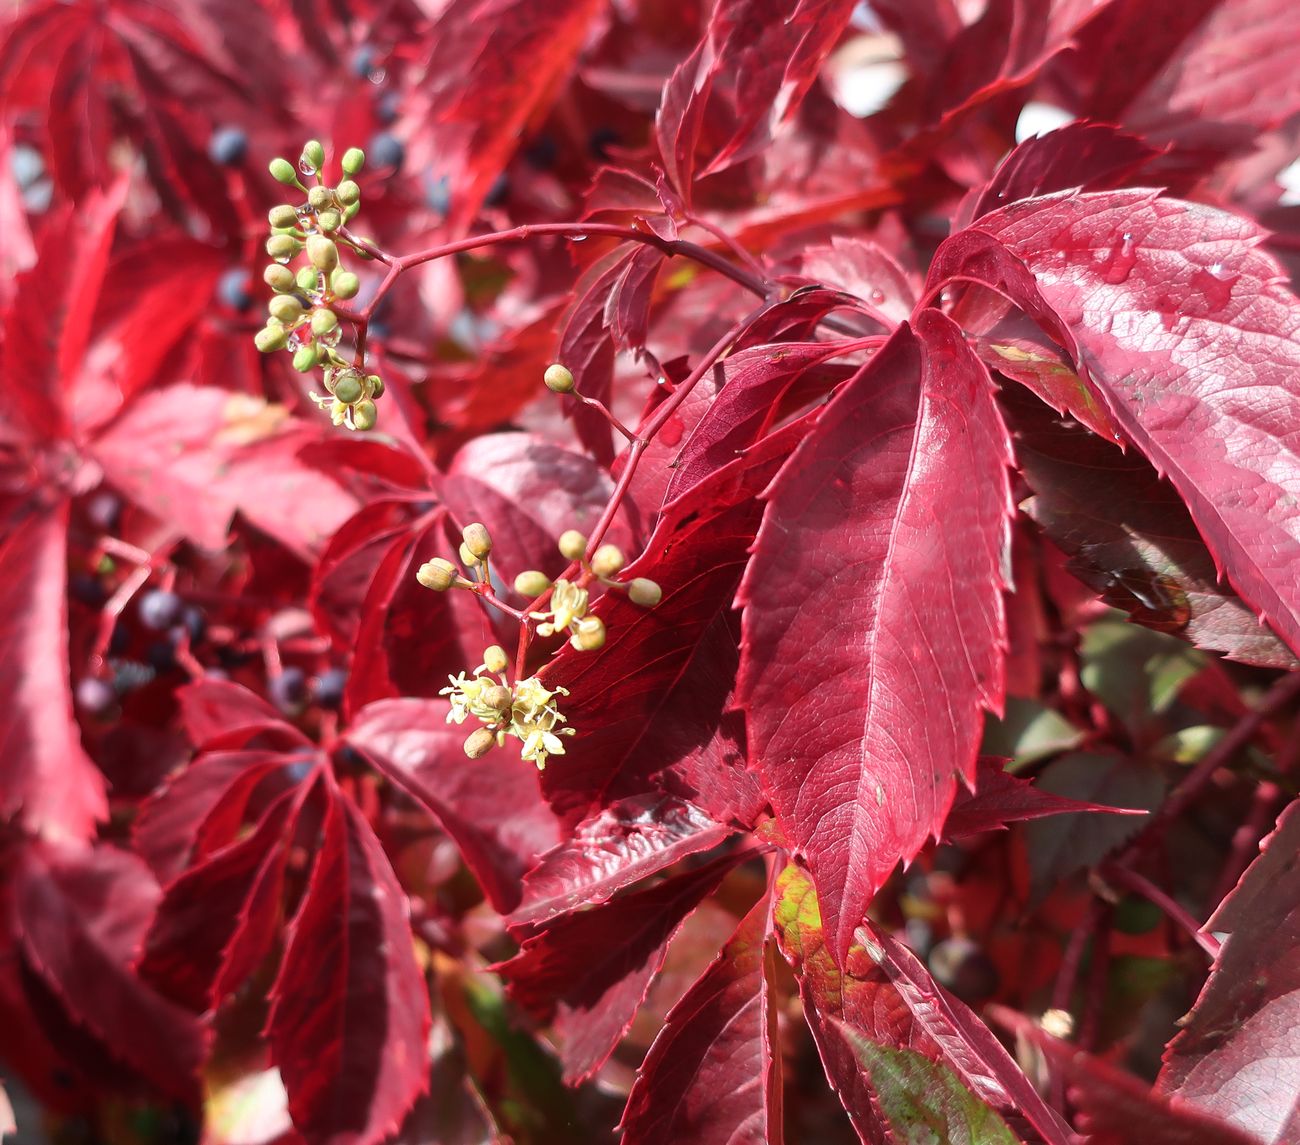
x=568 y=606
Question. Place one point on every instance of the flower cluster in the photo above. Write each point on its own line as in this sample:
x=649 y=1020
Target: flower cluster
x=527 y=711
x=302 y=316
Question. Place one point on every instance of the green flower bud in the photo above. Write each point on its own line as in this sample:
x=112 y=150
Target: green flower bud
x=532 y=583
x=558 y=379
x=313 y=154
x=348 y=192
x=350 y=213
x=572 y=545
x=322 y=252
x=437 y=574
x=329 y=220
x=308 y=279
x=590 y=634
x=644 y=591
x=478 y=540
x=282 y=172
x=498 y=696
x=282 y=247
x=282 y=215
x=495 y=659
x=480 y=742
x=285 y=308
x=271 y=338
x=344 y=283
x=364 y=414
x=320 y=198
x=323 y=321
x=353 y=160
x=278 y=277
x=467 y=558
x=607 y=561
x=348 y=389
x=304 y=358
x=376 y=384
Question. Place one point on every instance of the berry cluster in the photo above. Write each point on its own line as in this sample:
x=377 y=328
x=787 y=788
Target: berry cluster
x=303 y=316
x=527 y=710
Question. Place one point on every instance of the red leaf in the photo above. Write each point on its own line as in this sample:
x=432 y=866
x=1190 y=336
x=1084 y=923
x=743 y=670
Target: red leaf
x=494 y=67
x=1129 y=537
x=219 y=919
x=194 y=455
x=1185 y=327
x=81 y=915
x=750 y=73
x=713 y=1074
x=866 y=270
x=350 y=1010
x=1000 y=798
x=218 y=713
x=616 y=847
x=886 y=995
x=47 y=782
x=590 y=988
x=1115 y=1108
x=490 y=806
x=874 y=623
x=1235 y=1055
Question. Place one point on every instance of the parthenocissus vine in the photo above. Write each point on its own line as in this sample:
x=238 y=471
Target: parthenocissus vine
x=306 y=318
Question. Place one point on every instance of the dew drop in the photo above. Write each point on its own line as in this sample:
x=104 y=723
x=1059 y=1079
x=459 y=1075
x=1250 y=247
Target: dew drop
x=1119 y=263
x=377 y=76
x=877 y=297
x=293 y=342
x=304 y=165
x=578 y=238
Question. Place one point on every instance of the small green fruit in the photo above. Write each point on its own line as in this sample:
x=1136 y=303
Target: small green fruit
x=467 y=558
x=282 y=247
x=376 y=384
x=644 y=592
x=320 y=198
x=558 y=379
x=572 y=545
x=348 y=389
x=498 y=696
x=282 y=215
x=353 y=160
x=285 y=308
x=344 y=283
x=323 y=322
x=282 y=172
x=308 y=279
x=329 y=221
x=495 y=659
x=479 y=743
x=313 y=154
x=478 y=540
x=348 y=192
x=437 y=574
x=364 y=414
x=271 y=338
x=304 y=358
x=322 y=253
x=607 y=561
x=278 y=277
x=532 y=583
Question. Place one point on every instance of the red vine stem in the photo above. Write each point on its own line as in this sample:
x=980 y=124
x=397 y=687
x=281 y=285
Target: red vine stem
x=1140 y=884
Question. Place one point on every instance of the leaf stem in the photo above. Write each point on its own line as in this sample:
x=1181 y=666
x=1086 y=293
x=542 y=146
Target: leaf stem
x=1140 y=884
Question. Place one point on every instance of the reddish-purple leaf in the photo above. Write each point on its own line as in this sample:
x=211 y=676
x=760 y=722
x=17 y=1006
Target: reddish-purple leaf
x=80 y=915
x=749 y=74
x=750 y=384
x=1129 y=537
x=887 y=996
x=1114 y=1108
x=47 y=782
x=219 y=919
x=713 y=1075
x=494 y=65
x=1000 y=798
x=490 y=806
x=589 y=988
x=1185 y=326
x=616 y=847
x=865 y=269
x=874 y=621
x=1235 y=1055
x=219 y=713
x=350 y=1008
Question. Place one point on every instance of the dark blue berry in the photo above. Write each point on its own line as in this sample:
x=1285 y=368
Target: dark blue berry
x=88 y=589
x=194 y=622
x=600 y=141
x=27 y=165
x=228 y=146
x=437 y=194
x=95 y=696
x=288 y=690
x=541 y=153
x=161 y=655
x=386 y=150
x=389 y=108
x=104 y=509
x=363 y=61
x=328 y=687
x=159 y=609
x=497 y=192
x=234 y=289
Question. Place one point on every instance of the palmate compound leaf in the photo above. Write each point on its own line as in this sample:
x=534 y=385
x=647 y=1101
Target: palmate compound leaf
x=713 y=1075
x=886 y=995
x=874 y=621
x=350 y=1009
x=1236 y=1054
x=1185 y=329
